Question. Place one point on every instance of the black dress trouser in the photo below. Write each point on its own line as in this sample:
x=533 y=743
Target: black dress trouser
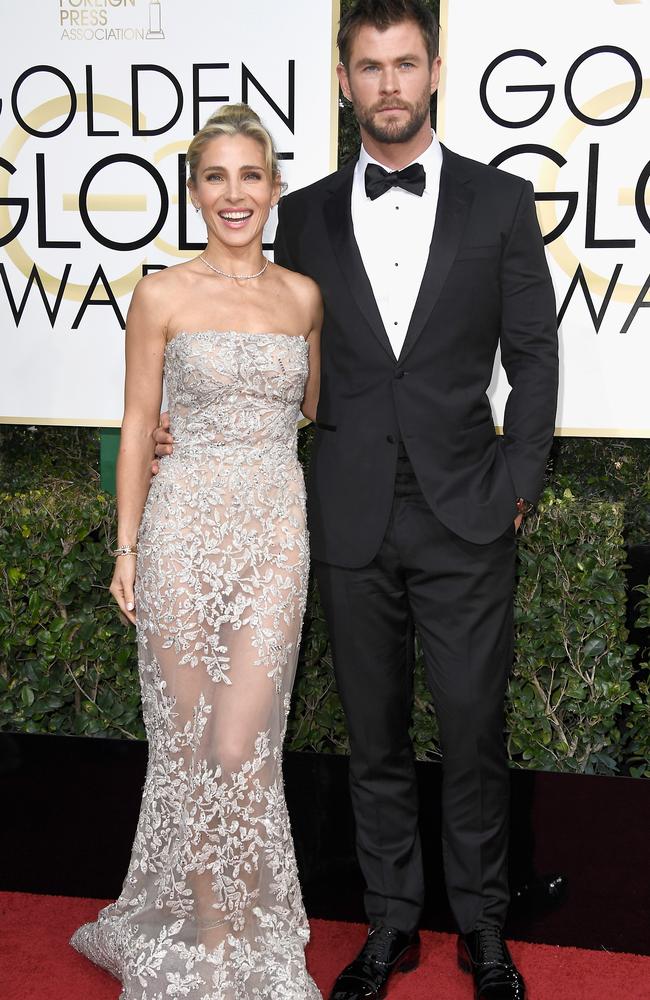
x=459 y=596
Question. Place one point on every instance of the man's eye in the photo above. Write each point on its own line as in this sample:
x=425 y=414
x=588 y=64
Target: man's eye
x=369 y=69
x=408 y=65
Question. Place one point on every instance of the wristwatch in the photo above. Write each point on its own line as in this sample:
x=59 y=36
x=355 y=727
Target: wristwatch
x=524 y=506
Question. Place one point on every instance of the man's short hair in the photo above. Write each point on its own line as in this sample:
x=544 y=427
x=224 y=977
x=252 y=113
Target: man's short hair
x=381 y=14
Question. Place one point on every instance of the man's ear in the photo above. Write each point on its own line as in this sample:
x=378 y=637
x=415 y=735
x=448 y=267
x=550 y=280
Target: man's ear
x=344 y=82
x=435 y=74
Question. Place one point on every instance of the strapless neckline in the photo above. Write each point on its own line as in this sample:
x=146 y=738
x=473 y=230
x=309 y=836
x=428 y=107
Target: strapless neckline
x=235 y=333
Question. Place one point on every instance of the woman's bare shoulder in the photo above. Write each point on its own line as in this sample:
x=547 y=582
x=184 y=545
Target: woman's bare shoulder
x=300 y=285
x=167 y=281
x=173 y=275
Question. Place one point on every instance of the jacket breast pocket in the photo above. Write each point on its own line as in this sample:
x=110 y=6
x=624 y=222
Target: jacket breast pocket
x=472 y=253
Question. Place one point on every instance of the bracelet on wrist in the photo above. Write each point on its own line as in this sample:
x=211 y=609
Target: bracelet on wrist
x=125 y=550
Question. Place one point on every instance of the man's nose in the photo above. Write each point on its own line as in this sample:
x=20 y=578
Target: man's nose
x=389 y=82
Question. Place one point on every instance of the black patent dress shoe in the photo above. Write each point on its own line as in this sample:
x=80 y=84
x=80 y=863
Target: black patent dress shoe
x=485 y=954
x=385 y=952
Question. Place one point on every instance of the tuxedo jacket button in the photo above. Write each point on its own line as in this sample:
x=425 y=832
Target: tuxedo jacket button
x=390 y=439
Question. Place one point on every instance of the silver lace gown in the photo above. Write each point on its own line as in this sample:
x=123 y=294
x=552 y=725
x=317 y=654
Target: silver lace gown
x=211 y=906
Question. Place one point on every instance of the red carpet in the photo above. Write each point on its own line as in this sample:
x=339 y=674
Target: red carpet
x=37 y=964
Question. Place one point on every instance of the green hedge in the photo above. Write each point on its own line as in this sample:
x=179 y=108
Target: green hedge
x=68 y=665
x=576 y=701
x=572 y=688
x=638 y=719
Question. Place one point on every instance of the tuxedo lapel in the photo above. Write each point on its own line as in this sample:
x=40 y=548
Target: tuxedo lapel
x=337 y=210
x=454 y=201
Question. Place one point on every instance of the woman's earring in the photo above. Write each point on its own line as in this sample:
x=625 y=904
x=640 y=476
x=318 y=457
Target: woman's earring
x=196 y=208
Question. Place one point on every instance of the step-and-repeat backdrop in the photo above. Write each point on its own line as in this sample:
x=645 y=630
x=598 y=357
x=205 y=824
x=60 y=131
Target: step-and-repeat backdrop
x=98 y=102
x=99 y=99
x=558 y=92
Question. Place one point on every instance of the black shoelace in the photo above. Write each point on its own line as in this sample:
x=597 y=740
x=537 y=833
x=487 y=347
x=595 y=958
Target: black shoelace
x=491 y=944
x=379 y=944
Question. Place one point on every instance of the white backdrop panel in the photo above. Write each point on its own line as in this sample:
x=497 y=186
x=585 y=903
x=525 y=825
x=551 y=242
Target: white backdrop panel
x=191 y=56
x=587 y=59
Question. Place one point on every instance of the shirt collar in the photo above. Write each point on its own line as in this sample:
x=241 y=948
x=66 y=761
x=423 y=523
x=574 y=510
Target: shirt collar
x=431 y=160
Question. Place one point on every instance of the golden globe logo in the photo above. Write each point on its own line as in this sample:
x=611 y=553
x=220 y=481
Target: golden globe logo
x=72 y=256
x=594 y=116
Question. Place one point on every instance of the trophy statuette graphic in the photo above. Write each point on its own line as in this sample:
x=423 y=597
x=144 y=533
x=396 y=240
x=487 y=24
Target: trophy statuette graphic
x=155 y=20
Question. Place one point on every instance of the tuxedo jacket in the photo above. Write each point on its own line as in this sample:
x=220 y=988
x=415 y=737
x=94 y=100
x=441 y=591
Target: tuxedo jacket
x=486 y=283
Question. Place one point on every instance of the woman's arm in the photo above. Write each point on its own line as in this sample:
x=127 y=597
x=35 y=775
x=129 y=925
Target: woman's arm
x=145 y=347
x=312 y=386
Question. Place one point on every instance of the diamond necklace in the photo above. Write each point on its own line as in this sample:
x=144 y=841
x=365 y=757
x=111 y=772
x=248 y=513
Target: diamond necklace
x=240 y=277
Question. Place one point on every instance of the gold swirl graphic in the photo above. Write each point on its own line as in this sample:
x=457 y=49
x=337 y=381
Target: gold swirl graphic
x=548 y=178
x=15 y=141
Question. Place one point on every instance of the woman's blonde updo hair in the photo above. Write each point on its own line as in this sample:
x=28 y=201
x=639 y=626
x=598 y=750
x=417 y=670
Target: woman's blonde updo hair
x=233 y=119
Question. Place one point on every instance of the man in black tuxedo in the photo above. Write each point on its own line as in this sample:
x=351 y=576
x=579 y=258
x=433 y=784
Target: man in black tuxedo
x=427 y=261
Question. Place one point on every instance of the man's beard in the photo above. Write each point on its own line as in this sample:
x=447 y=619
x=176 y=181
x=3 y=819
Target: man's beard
x=394 y=131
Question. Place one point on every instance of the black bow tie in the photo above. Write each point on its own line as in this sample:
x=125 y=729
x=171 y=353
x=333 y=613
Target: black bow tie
x=378 y=180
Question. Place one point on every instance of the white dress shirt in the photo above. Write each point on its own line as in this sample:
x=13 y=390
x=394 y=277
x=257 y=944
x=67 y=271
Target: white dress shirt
x=393 y=234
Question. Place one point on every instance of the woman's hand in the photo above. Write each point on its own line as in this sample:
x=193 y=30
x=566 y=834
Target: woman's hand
x=122 y=585
x=163 y=442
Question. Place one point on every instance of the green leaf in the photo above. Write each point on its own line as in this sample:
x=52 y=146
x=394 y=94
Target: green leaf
x=27 y=696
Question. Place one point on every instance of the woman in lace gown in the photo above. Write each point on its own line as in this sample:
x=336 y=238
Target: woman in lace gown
x=211 y=906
